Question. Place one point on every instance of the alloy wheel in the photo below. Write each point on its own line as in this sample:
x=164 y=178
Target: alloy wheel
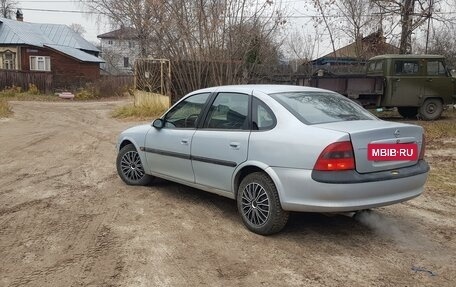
x=255 y=204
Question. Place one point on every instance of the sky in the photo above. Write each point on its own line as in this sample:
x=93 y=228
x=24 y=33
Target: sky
x=86 y=20
x=35 y=11
x=40 y=11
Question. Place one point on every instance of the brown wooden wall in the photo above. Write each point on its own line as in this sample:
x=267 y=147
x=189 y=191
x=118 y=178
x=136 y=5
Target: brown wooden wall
x=67 y=72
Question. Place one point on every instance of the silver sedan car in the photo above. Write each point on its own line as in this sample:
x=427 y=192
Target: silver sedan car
x=276 y=149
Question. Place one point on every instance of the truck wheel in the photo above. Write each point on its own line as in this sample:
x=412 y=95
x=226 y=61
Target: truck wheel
x=408 y=112
x=431 y=109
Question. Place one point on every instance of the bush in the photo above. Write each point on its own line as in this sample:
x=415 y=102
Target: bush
x=33 y=89
x=5 y=109
x=85 y=94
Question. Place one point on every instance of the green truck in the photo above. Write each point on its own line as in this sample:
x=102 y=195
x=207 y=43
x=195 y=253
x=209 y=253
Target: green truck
x=418 y=85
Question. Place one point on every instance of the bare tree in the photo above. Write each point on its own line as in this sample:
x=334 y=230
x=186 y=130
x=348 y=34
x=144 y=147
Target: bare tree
x=357 y=20
x=78 y=28
x=302 y=48
x=218 y=40
x=413 y=14
x=324 y=8
x=442 y=42
x=8 y=8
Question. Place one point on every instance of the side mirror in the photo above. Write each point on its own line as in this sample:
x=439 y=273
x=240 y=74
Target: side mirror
x=158 y=124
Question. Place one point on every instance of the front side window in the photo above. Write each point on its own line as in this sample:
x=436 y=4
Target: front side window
x=186 y=114
x=321 y=107
x=406 y=67
x=436 y=68
x=229 y=112
x=40 y=63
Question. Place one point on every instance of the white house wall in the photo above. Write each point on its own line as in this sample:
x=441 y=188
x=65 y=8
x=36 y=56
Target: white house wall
x=122 y=49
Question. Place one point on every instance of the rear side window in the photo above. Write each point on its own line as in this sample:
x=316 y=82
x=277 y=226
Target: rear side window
x=262 y=116
x=406 y=67
x=321 y=107
x=229 y=112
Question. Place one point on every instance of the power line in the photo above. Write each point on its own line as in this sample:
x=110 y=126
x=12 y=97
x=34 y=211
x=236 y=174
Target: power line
x=285 y=16
x=60 y=11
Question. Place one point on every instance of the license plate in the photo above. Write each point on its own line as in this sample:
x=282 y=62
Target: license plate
x=392 y=152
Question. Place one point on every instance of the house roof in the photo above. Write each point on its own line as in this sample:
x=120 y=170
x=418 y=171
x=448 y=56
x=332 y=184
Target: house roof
x=125 y=33
x=56 y=36
x=75 y=53
x=369 y=46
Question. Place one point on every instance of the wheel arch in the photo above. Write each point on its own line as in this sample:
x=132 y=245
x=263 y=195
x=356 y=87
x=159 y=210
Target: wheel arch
x=431 y=97
x=125 y=142
x=128 y=140
x=254 y=166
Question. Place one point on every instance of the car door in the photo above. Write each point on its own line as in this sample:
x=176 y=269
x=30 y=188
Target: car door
x=222 y=142
x=438 y=83
x=407 y=87
x=168 y=149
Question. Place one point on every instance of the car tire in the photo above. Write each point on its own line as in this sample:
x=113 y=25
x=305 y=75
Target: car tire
x=130 y=168
x=431 y=109
x=259 y=205
x=408 y=112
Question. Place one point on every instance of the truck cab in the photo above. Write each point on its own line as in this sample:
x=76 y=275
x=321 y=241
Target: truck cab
x=418 y=85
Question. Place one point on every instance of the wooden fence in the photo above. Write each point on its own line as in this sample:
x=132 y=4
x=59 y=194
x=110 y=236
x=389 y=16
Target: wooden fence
x=46 y=83
x=42 y=80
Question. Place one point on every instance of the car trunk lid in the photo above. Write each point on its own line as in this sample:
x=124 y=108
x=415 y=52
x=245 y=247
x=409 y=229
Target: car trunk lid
x=367 y=132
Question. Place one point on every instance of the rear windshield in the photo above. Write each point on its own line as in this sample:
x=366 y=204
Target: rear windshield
x=321 y=107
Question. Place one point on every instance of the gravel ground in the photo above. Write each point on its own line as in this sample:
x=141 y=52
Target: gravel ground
x=66 y=219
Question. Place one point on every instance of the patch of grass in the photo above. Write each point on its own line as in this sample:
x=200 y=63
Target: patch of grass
x=441 y=178
x=86 y=94
x=5 y=109
x=140 y=112
x=32 y=94
x=10 y=92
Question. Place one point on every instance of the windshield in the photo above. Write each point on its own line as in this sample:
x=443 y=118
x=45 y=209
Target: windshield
x=321 y=107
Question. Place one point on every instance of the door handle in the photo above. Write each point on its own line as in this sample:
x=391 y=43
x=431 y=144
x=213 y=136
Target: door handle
x=184 y=141
x=235 y=145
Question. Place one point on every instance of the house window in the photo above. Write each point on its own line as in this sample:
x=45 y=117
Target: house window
x=131 y=44
x=40 y=63
x=9 y=60
x=126 y=62
x=109 y=42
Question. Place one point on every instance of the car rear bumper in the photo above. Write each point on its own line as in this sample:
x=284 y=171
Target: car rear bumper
x=299 y=192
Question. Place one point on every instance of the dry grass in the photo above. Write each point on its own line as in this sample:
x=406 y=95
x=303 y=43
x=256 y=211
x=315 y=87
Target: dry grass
x=32 y=94
x=142 y=112
x=441 y=153
x=5 y=109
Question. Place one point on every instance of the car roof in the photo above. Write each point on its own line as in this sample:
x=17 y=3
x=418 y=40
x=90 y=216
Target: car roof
x=406 y=56
x=266 y=89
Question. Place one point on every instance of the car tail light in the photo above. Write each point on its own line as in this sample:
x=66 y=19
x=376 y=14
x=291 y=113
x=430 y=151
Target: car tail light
x=423 y=148
x=336 y=156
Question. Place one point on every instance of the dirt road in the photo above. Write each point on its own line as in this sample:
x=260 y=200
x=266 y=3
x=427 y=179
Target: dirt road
x=66 y=219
